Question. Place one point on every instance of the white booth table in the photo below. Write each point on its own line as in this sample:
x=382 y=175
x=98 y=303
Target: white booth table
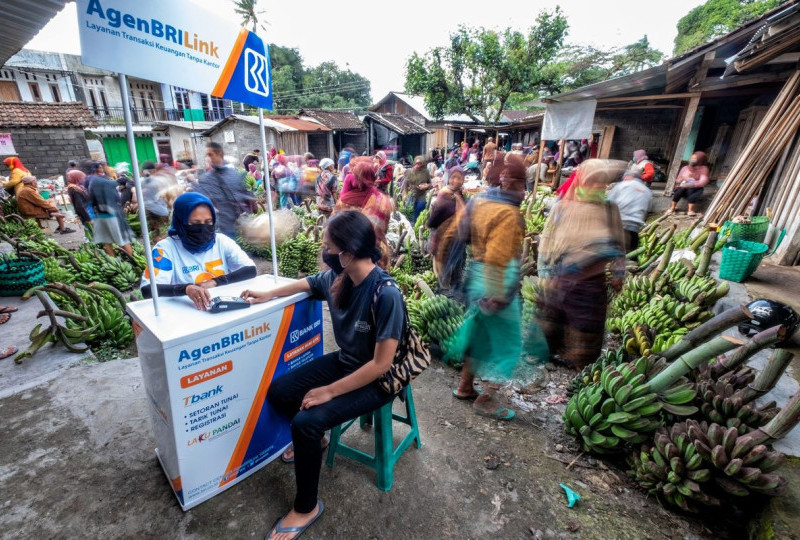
x=207 y=376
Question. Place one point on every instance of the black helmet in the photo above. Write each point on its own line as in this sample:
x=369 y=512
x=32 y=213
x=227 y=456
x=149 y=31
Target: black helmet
x=768 y=313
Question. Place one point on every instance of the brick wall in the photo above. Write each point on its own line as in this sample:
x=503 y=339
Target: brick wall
x=46 y=151
x=638 y=128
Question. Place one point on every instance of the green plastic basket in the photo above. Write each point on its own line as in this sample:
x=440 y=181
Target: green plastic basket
x=19 y=275
x=740 y=258
x=755 y=231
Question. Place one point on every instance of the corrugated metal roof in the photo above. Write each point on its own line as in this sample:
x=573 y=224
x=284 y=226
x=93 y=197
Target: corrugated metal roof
x=338 y=120
x=22 y=20
x=418 y=104
x=635 y=83
x=398 y=123
x=297 y=124
x=200 y=125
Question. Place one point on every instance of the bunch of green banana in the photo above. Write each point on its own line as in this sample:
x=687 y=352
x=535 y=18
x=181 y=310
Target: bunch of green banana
x=45 y=246
x=635 y=293
x=591 y=373
x=298 y=255
x=626 y=404
x=700 y=290
x=531 y=289
x=665 y=340
x=55 y=273
x=442 y=316
x=741 y=464
x=678 y=269
x=118 y=272
x=652 y=314
x=414 y=309
x=651 y=246
x=673 y=470
x=638 y=340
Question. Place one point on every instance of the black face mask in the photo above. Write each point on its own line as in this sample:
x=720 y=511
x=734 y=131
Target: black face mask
x=199 y=235
x=333 y=261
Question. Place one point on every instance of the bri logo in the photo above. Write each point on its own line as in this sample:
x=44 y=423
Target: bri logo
x=197 y=398
x=256 y=78
x=295 y=335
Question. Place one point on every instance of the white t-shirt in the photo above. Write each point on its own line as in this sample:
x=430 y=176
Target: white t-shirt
x=175 y=266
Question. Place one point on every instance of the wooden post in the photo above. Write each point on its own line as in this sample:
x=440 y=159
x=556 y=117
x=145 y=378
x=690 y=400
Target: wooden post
x=538 y=167
x=689 y=113
x=675 y=164
x=557 y=178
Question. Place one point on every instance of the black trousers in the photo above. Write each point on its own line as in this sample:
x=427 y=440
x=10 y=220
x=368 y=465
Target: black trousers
x=308 y=426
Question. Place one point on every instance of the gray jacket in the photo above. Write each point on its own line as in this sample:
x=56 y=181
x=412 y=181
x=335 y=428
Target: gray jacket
x=632 y=198
x=225 y=188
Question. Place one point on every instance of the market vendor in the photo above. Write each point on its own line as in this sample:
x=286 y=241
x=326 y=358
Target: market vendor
x=34 y=206
x=193 y=258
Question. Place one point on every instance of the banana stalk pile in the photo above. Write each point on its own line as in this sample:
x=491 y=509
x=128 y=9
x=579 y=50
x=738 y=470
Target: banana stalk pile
x=696 y=464
x=653 y=311
x=626 y=404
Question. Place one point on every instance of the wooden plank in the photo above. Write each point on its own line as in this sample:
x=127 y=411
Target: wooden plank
x=606 y=139
x=675 y=163
x=660 y=97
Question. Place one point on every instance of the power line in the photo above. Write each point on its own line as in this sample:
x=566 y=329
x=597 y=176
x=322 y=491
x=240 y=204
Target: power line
x=303 y=93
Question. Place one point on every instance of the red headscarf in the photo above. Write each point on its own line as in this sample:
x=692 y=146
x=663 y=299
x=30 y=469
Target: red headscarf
x=365 y=178
x=13 y=162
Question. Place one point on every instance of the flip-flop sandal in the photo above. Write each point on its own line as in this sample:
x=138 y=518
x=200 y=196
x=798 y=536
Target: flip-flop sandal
x=8 y=351
x=4 y=318
x=502 y=413
x=325 y=442
x=469 y=397
x=8 y=309
x=280 y=529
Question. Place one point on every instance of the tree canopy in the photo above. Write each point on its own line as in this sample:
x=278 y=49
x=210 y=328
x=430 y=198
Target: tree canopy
x=581 y=65
x=716 y=18
x=480 y=69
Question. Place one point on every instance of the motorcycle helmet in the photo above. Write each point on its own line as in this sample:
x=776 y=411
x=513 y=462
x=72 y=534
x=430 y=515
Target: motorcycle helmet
x=766 y=314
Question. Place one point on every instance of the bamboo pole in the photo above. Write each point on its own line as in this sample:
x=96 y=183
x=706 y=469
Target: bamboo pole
x=765 y=143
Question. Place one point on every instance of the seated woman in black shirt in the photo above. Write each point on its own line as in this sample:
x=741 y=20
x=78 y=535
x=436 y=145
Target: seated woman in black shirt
x=340 y=385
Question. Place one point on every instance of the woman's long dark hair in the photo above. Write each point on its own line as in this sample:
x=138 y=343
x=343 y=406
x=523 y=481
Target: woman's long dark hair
x=351 y=232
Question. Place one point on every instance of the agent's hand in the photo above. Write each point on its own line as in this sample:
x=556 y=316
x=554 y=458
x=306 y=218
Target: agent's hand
x=256 y=297
x=316 y=396
x=200 y=296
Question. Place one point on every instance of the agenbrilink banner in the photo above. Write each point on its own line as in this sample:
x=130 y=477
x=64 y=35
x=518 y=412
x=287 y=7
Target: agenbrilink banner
x=178 y=43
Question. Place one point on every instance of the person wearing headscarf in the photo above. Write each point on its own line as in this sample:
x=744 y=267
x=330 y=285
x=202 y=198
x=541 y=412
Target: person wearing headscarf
x=110 y=226
x=327 y=186
x=689 y=183
x=582 y=237
x=384 y=172
x=492 y=172
x=282 y=180
x=490 y=340
x=79 y=197
x=443 y=221
x=417 y=184
x=193 y=258
x=359 y=193
x=32 y=205
x=18 y=172
x=642 y=165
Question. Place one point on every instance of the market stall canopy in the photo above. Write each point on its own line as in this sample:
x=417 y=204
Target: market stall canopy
x=22 y=20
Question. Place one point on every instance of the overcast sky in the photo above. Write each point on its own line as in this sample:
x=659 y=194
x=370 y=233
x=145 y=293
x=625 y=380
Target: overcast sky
x=376 y=38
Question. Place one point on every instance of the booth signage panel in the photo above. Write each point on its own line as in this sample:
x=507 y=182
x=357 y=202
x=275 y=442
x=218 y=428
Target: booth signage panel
x=568 y=120
x=178 y=43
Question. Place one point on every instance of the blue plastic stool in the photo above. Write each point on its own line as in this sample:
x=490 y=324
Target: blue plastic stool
x=385 y=454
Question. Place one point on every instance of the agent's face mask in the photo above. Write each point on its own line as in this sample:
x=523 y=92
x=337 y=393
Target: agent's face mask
x=333 y=261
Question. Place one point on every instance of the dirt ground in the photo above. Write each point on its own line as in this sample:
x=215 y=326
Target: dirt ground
x=77 y=460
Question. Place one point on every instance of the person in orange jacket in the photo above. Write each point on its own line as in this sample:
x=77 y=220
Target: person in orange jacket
x=642 y=164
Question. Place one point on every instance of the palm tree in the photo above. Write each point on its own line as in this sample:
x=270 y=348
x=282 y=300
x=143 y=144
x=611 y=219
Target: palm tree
x=247 y=10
